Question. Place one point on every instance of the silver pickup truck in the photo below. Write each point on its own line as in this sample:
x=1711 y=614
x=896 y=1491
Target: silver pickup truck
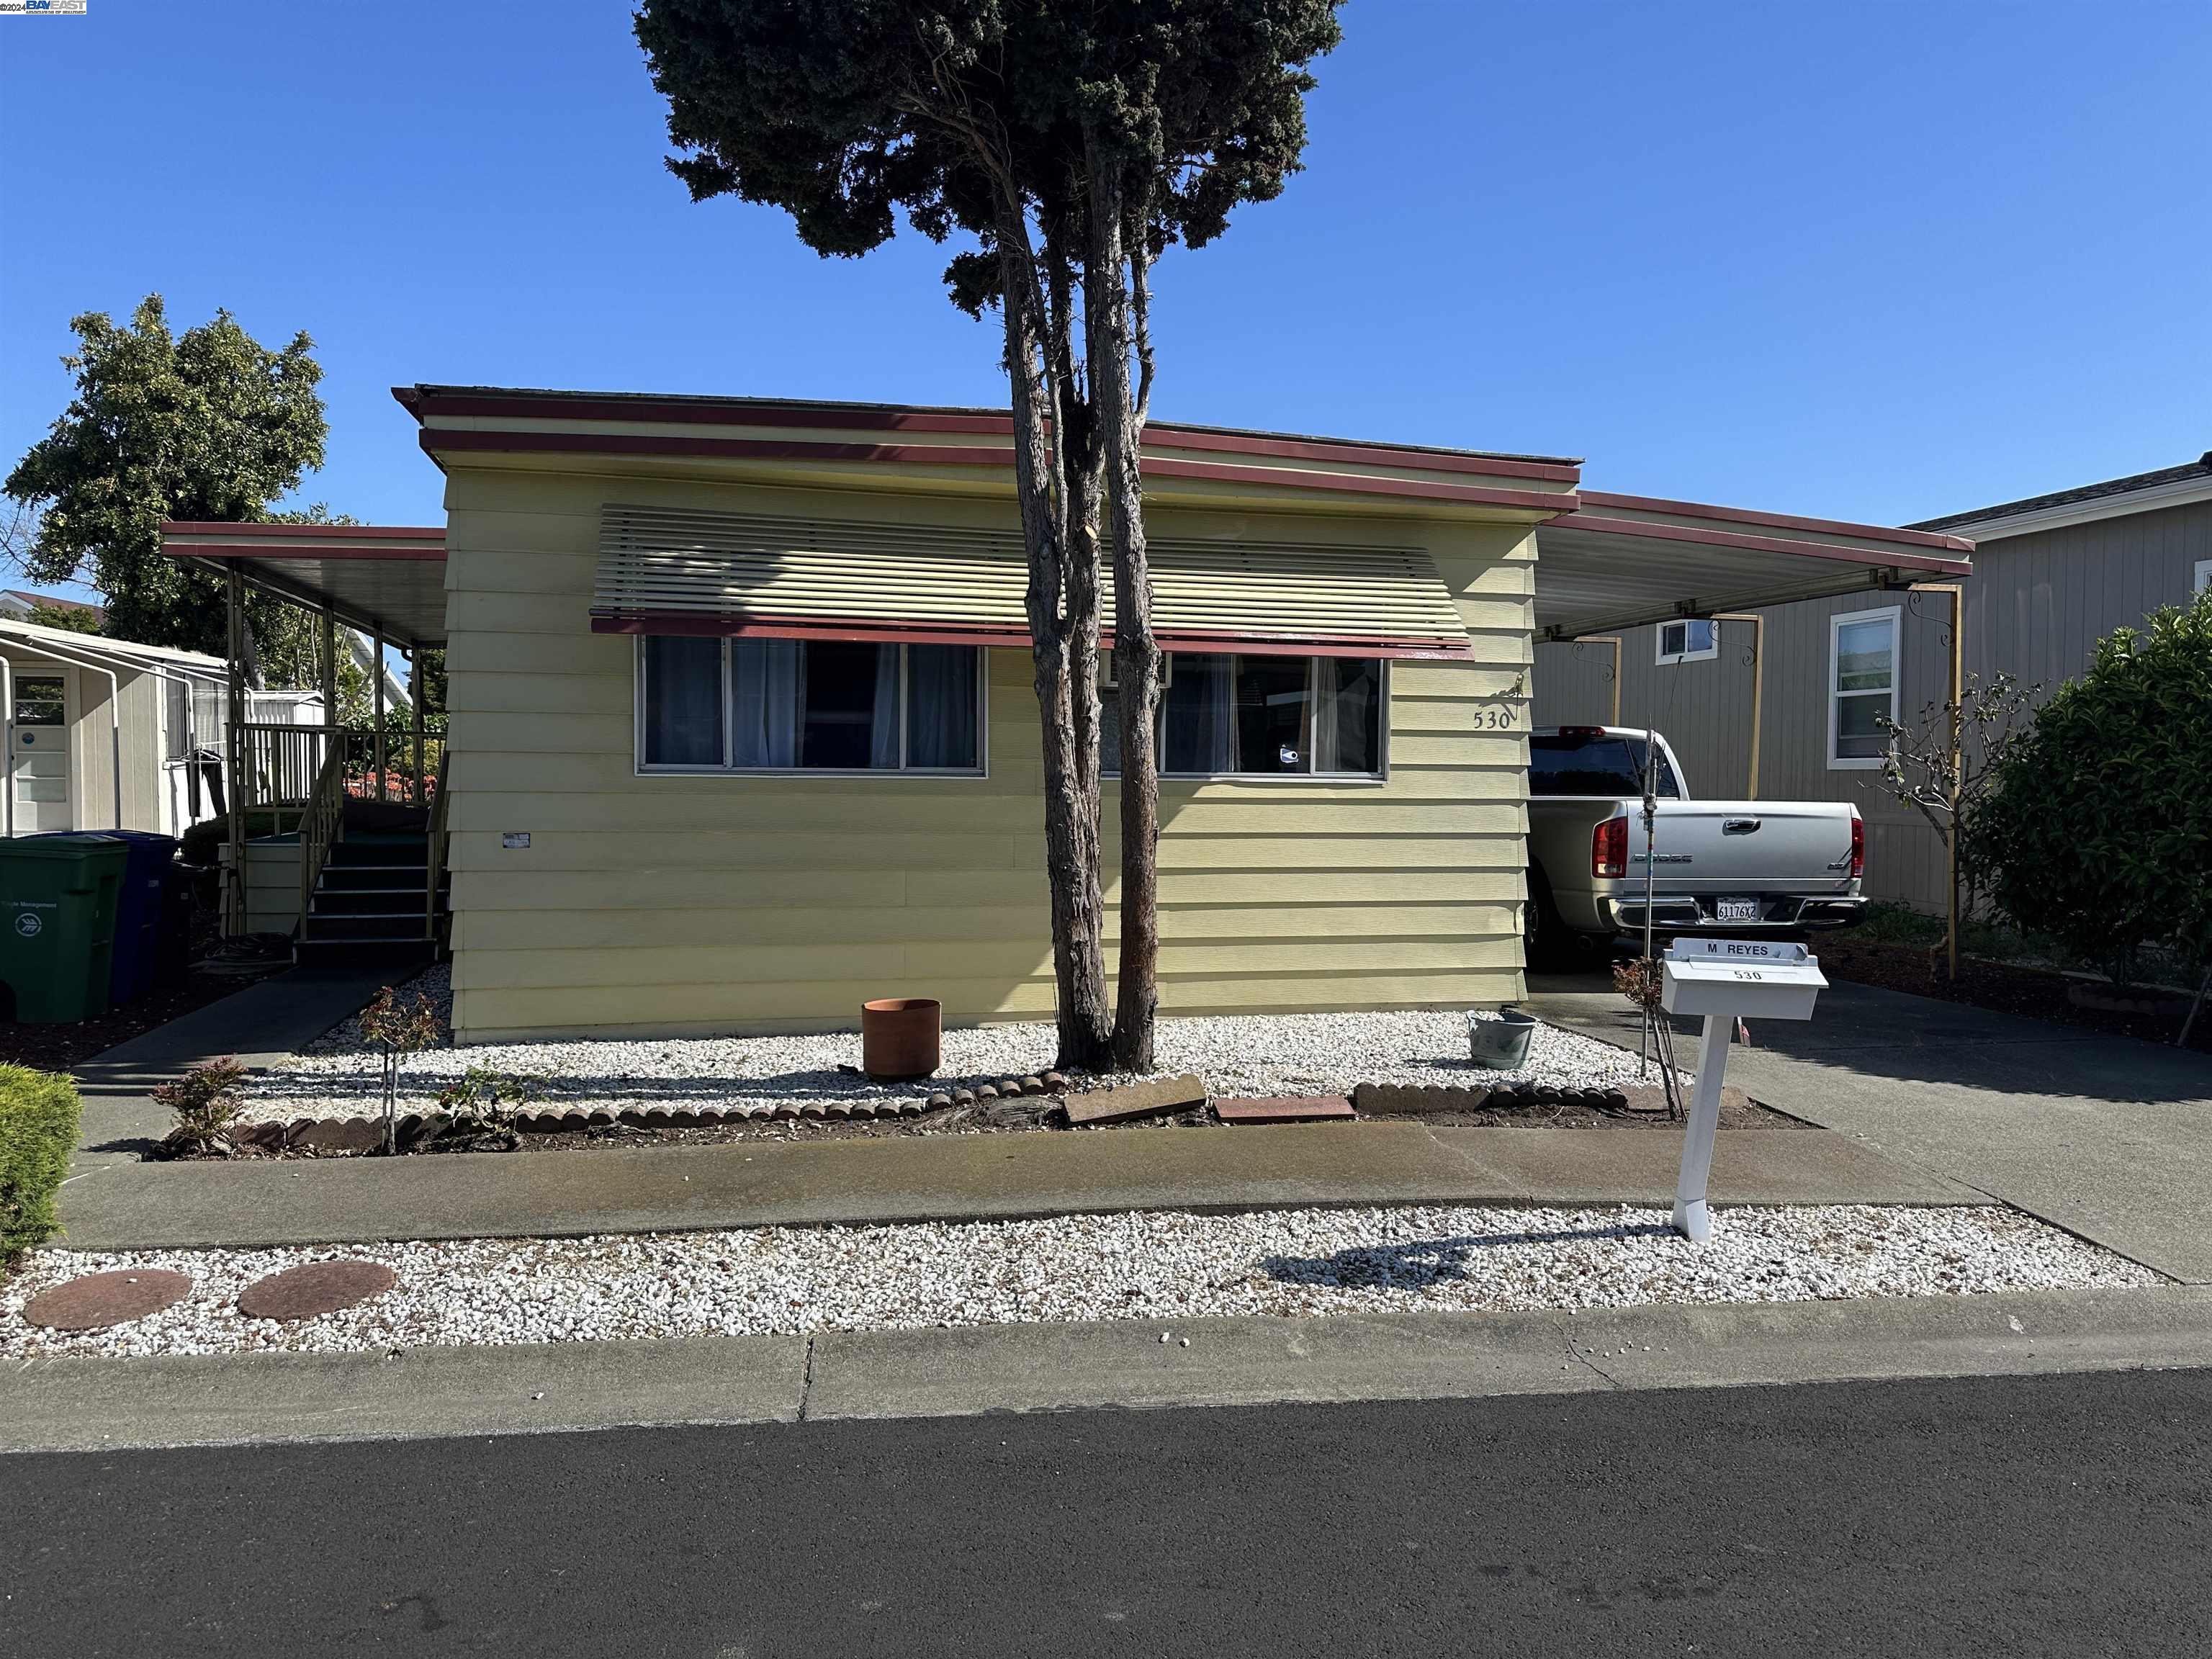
x=1757 y=869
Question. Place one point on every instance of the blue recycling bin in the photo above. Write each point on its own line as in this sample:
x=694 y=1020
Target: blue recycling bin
x=140 y=912
x=173 y=954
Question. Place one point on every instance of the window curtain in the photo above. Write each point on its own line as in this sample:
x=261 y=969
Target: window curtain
x=941 y=707
x=1346 y=715
x=765 y=676
x=682 y=701
x=884 y=718
x=1202 y=714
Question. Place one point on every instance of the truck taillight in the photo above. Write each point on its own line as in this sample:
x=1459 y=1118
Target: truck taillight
x=1858 y=847
x=1609 y=848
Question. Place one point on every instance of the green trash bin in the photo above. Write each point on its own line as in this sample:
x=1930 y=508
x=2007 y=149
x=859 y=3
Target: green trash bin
x=57 y=895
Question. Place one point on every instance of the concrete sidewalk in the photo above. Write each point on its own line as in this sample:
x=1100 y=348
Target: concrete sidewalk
x=260 y=1025
x=2106 y=1136
x=229 y=1398
x=125 y=1205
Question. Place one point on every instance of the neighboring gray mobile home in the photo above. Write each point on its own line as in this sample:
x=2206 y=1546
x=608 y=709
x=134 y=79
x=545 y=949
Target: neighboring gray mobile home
x=2051 y=576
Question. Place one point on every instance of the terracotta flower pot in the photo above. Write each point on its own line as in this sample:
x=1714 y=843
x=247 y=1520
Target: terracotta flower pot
x=900 y=1038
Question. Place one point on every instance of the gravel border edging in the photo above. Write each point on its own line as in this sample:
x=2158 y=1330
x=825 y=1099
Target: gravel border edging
x=364 y=1133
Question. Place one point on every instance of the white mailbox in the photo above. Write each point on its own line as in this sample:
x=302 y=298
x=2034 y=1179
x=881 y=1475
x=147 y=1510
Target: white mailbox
x=1744 y=979
x=1726 y=980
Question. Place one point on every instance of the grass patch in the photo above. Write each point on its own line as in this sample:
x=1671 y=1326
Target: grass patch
x=38 y=1131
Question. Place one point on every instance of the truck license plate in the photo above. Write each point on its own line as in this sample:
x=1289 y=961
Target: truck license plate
x=1735 y=910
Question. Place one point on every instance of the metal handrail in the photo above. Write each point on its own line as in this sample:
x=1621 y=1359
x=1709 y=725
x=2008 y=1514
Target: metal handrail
x=435 y=856
x=321 y=822
x=283 y=764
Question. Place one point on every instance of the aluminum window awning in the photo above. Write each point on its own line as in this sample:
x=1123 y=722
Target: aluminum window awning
x=664 y=570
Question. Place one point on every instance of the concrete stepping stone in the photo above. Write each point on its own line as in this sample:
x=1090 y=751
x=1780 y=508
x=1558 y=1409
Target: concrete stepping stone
x=96 y=1301
x=1127 y=1101
x=318 y=1287
x=1286 y=1108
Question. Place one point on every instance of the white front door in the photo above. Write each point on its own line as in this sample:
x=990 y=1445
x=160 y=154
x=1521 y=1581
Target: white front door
x=40 y=740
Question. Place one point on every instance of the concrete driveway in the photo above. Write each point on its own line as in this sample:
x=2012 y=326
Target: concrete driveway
x=2108 y=1137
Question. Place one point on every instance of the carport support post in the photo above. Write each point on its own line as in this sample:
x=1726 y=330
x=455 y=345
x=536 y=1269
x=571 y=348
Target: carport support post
x=329 y=676
x=415 y=696
x=233 y=751
x=376 y=673
x=1957 y=762
x=1758 y=684
x=1692 y=1220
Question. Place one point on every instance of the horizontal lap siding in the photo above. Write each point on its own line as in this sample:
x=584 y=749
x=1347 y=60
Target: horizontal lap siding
x=673 y=904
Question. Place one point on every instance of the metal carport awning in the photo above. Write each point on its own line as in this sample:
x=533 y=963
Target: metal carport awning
x=388 y=581
x=1623 y=562
x=666 y=571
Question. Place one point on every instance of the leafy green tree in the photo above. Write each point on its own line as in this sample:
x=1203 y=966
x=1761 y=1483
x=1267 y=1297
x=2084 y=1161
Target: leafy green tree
x=287 y=639
x=2097 y=830
x=67 y=617
x=1065 y=147
x=206 y=425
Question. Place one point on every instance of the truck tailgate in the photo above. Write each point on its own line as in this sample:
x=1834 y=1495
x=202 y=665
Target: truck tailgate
x=1714 y=847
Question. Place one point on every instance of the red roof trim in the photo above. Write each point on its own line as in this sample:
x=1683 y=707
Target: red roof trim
x=1872 y=532
x=1358 y=454
x=1536 y=500
x=311 y=532
x=1758 y=544
x=633 y=443
x=585 y=407
x=863 y=630
x=416 y=553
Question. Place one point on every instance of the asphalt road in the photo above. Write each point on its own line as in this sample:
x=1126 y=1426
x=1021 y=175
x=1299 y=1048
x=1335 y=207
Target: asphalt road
x=2020 y=1515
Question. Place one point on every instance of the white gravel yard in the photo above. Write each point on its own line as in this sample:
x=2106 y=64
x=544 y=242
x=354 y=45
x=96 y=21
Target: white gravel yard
x=1155 y=1265
x=1249 y=1054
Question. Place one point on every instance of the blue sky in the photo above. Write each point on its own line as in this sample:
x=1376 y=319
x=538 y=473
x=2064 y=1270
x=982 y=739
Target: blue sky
x=1869 y=260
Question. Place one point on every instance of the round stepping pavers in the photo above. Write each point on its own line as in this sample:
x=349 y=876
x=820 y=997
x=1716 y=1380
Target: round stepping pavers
x=98 y=1300
x=320 y=1287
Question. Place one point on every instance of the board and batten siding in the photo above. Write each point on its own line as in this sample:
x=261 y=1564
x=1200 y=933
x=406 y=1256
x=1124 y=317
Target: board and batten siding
x=2035 y=607
x=675 y=904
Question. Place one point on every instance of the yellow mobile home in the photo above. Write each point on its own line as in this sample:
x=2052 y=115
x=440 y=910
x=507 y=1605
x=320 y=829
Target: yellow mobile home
x=742 y=732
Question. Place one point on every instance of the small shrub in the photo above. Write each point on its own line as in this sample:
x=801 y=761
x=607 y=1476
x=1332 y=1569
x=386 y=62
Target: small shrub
x=399 y=1029
x=38 y=1131
x=2097 y=832
x=485 y=1100
x=207 y=1101
x=1643 y=982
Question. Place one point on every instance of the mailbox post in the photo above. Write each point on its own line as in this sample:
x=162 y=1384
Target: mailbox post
x=1726 y=980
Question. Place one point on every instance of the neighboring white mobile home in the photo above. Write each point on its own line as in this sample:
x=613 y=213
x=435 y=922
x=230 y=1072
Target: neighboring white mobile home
x=102 y=734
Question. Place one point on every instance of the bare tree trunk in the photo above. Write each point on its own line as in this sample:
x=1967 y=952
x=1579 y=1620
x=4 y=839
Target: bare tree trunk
x=1108 y=316
x=1059 y=644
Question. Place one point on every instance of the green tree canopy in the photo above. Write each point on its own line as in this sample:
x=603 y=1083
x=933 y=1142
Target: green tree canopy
x=206 y=425
x=1068 y=145
x=69 y=619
